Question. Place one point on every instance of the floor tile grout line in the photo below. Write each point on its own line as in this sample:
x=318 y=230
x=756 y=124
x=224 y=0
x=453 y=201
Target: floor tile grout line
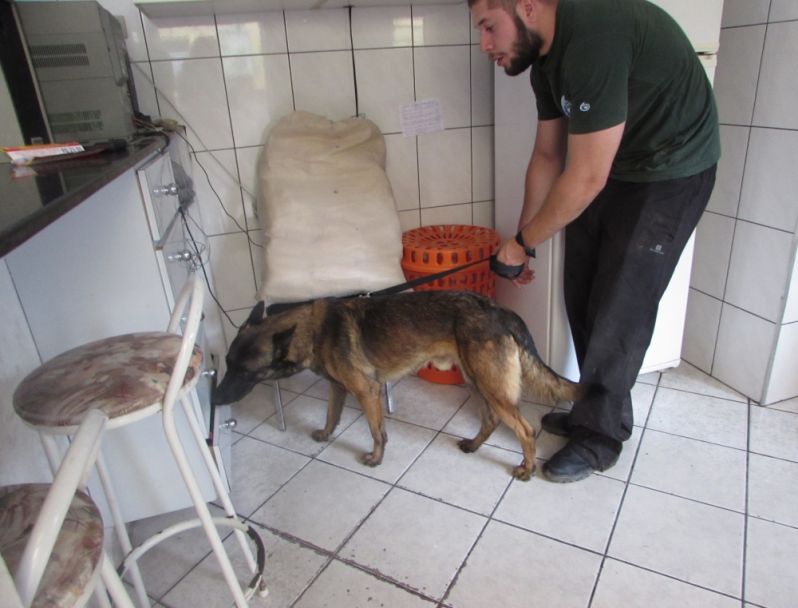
x=626 y=485
x=383 y=577
x=443 y=602
x=697 y=439
x=687 y=498
x=335 y=555
x=675 y=578
x=742 y=400
x=745 y=506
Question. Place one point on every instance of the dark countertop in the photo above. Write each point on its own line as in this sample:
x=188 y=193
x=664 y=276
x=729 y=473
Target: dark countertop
x=31 y=203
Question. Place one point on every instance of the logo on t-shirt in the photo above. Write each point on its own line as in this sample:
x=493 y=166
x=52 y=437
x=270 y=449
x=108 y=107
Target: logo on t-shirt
x=566 y=106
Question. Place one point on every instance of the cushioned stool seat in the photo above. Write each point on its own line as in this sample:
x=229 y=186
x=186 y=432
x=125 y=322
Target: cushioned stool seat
x=118 y=375
x=65 y=579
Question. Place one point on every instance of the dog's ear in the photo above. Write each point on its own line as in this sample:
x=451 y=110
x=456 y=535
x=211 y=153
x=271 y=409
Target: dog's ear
x=281 y=341
x=256 y=314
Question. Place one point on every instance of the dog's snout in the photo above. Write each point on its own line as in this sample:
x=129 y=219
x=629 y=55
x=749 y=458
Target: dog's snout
x=232 y=388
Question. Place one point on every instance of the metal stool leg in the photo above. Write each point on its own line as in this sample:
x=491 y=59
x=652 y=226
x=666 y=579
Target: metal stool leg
x=221 y=490
x=200 y=506
x=51 y=451
x=120 y=528
x=109 y=579
x=388 y=398
x=114 y=584
x=100 y=595
x=278 y=403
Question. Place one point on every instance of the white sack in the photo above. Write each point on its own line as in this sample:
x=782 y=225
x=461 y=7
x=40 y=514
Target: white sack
x=326 y=209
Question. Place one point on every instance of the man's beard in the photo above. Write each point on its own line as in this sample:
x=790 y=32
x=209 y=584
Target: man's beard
x=526 y=48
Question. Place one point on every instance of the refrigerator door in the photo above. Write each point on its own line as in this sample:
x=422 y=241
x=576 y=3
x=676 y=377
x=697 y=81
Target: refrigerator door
x=700 y=20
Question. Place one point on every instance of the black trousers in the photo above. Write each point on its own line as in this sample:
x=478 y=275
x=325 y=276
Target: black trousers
x=619 y=257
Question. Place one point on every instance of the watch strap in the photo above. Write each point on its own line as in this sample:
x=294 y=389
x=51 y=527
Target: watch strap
x=519 y=238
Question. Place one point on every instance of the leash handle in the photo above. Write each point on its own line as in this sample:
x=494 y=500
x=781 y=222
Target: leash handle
x=505 y=270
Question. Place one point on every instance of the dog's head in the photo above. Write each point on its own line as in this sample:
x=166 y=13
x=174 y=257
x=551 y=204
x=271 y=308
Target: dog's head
x=261 y=351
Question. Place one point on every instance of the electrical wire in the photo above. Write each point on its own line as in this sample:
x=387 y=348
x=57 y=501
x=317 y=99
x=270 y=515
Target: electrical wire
x=354 y=67
x=187 y=124
x=185 y=217
x=201 y=264
x=161 y=130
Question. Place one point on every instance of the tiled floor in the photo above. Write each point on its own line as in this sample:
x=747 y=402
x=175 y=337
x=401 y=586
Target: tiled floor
x=700 y=511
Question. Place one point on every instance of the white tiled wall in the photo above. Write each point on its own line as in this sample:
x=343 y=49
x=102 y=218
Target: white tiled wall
x=741 y=324
x=229 y=77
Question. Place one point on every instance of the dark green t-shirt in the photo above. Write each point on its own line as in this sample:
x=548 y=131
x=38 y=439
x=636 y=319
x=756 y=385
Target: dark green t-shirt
x=627 y=60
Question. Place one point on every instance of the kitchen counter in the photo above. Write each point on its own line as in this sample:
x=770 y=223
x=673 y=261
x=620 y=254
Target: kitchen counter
x=30 y=203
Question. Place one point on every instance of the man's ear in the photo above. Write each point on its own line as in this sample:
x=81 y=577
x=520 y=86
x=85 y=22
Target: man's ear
x=526 y=11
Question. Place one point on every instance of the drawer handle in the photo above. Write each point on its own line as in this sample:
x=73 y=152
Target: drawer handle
x=183 y=255
x=229 y=424
x=167 y=190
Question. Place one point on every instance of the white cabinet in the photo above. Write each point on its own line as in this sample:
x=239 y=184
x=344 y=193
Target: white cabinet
x=180 y=249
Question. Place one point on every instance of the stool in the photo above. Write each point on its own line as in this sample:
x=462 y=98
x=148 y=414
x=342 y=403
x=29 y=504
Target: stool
x=51 y=535
x=128 y=378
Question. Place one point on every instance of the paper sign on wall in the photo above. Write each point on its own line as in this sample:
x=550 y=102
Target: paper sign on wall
x=421 y=117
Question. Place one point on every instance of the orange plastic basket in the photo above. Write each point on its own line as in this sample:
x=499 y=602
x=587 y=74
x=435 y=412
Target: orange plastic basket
x=432 y=249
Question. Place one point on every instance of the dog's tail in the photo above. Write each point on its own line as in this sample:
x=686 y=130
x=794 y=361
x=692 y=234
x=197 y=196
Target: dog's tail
x=537 y=376
x=545 y=382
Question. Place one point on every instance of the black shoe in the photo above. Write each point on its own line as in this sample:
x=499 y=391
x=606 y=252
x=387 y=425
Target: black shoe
x=557 y=423
x=584 y=453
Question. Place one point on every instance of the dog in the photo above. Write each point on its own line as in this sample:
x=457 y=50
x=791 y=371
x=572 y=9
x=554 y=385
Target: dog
x=361 y=342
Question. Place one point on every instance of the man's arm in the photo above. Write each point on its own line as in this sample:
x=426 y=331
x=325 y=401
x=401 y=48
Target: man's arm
x=590 y=157
x=545 y=166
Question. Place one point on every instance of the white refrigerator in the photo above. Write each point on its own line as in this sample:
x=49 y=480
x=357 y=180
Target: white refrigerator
x=541 y=303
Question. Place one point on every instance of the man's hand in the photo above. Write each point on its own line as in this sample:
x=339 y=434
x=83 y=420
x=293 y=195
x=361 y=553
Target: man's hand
x=512 y=254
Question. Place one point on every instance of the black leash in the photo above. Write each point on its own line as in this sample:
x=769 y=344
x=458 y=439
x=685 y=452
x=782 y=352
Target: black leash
x=503 y=270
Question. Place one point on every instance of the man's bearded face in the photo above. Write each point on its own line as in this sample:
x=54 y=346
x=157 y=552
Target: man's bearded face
x=526 y=48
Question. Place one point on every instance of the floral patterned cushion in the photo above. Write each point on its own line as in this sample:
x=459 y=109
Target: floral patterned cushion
x=77 y=550
x=117 y=375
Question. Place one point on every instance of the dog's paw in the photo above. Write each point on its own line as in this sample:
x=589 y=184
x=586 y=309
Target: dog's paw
x=523 y=472
x=320 y=435
x=467 y=445
x=369 y=459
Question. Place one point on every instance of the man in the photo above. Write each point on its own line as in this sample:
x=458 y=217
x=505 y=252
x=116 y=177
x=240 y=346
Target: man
x=624 y=160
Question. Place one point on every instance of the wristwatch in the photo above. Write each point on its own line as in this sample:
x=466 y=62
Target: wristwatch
x=519 y=238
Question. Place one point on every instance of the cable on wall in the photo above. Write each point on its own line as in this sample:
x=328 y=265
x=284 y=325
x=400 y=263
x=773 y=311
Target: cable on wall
x=354 y=68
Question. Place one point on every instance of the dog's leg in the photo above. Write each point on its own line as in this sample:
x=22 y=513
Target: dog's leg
x=495 y=368
x=335 y=403
x=489 y=423
x=368 y=393
x=509 y=415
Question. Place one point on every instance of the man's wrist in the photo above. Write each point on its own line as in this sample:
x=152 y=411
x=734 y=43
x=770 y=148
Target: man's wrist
x=519 y=238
